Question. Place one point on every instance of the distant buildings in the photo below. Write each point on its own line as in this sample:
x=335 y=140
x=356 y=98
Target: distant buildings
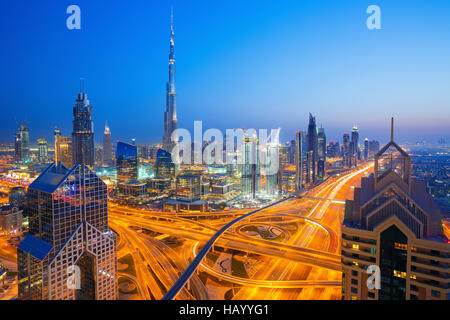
x=312 y=151
x=10 y=219
x=83 y=151
x=393 y=223
x=164 y=167
x=68 y=233
x=22 y=145
x=251 y=168
x=333 y=149
x=366 y=149
x=63 y=149
x=321 y=153
x=170 y=115
x=42 y=151
x=127 y=162
x=300 y=159
x=346 y=152
x=107 y=147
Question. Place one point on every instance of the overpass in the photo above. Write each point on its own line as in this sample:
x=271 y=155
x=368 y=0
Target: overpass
x=187 y=274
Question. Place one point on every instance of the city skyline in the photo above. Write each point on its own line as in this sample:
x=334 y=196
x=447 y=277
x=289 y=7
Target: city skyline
x=420 y=122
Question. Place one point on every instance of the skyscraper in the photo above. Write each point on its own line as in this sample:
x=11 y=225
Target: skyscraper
x=42 y=151
x=251 y=169
x=170 y=115
x=355 y=153
x=107 y=147
x=68 y=237
x=83 y=131
x=164 y=167
x=63 y=149
x=321 y=153
x=311 y=156
x=366 y=149
x=346 y=150
x=300 y=159
x=393 y=223
x=127 y=162
x=22 y=145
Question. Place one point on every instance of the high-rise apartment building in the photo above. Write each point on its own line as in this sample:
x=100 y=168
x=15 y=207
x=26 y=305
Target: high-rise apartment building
x=69 y=252
x=22 y=145
x=321 y=153
x=346 y=150
x=300 y=159
x=251 y=168
x=312 y=151
x=42 y=151
x=107 y=147
x=393 y=225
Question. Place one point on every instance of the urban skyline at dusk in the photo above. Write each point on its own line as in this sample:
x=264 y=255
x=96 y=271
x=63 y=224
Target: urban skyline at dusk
x=224 y=64
x=200 y=151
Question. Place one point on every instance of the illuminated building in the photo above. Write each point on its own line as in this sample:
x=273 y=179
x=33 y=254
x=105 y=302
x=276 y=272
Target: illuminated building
x=393 y=223
x=333 y=150
x=99 y=156
x=17 y=197
x=188 y=188
x=22 y=145
x=107 y=147
x=42 y=151
x=132 y=188
x=300 y=159
x=366 y=149
x=10 y=219
x=159 y=185
x=63 y=150
x=127 y=162
x=170 y=115
x=164 y=167
x=83 y=151
x=68 y=231
x=354 y=151
x=251 y=171
x=321 y=153
x=346 y=150
x=312 y=151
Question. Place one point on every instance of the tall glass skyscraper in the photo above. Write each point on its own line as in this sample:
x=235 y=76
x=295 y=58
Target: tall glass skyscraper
x=69 y=238
x=300 y=159
x=321 y=153
x=312 y=156
x=170 y=115
x=251 y=168
x=83 y=132
x=22 y=145
x=164 y=167
x=42 y=150
x=107 y=147
x=127 y=162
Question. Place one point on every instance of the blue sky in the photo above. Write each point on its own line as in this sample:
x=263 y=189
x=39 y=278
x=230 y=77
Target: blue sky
x=240 y=63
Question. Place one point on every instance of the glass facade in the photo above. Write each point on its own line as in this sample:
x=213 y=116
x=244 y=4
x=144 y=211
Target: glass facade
x=165 y=168
x=127 y=161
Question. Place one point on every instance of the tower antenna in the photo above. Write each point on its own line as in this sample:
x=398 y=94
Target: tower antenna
x=392 y=129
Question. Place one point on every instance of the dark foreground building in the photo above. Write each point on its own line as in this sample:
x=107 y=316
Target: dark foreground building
x=70 y=252
x=393 y=223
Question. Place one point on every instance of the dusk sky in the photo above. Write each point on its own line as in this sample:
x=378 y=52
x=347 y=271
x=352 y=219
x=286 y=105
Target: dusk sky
x=239 y=63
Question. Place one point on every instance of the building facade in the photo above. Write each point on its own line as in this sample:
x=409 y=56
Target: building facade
x=107 y=147
x=127 y=162
x=22 y=145
x=393 y=224
x=69 y=252
x=83 y=151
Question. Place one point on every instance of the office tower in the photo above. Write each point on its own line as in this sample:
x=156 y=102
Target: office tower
x=107 y=147
x=346 y=150
x=374 y=147
x=83 y=131
x=300 y=159
x=170 y=115
x=333 y=149
x=312 y=151
x=164 y=167
x=321 y=153
x=393 y=223
x=355 y=153
x=188 y=187
x=22 y=145
x=127 y=162
x=63 y=149
x=99 y=156
x=68 y=236
x=251 y=170
x=292 y=150
x=366 y=149
x=271 y=168
x=42 y=151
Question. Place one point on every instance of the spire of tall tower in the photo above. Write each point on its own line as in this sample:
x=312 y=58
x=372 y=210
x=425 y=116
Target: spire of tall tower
x=392 y=129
